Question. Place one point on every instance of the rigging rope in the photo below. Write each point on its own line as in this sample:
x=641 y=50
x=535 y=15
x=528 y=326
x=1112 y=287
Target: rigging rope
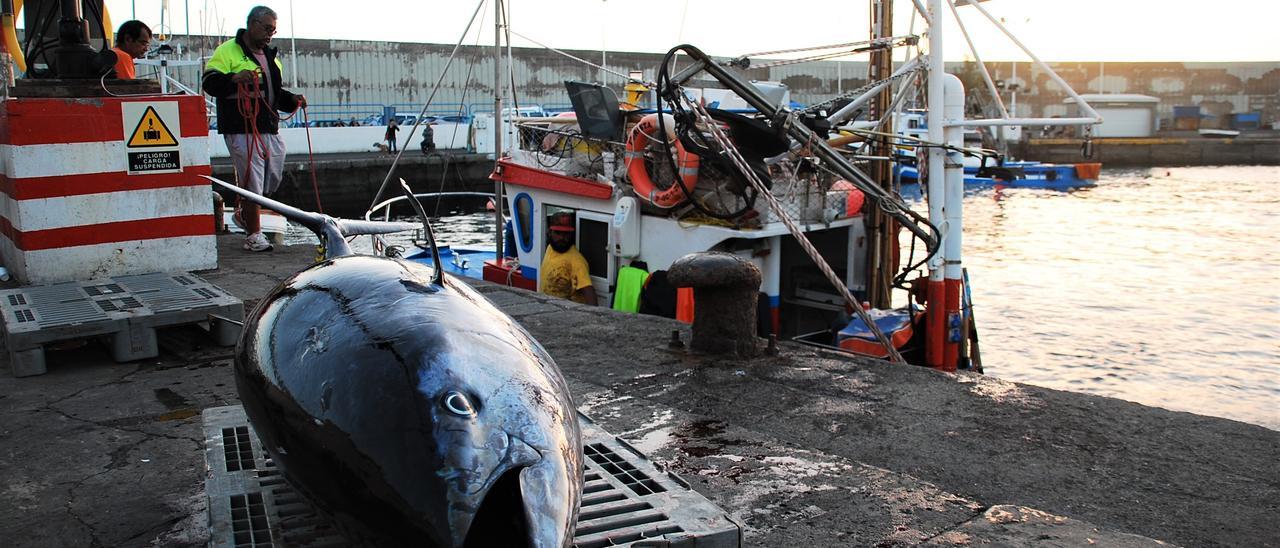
x=745 y=62
x=732 y=151
x=249 y=108
x=626 y=77
x=311 y=157
x=878 y=42
x=858 y=92
x=443 y=72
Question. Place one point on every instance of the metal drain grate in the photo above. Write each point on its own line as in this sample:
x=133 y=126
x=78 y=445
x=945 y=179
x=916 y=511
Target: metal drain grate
x=249 y=525
x=613 y=512
x=635 y=480
x=238 y=449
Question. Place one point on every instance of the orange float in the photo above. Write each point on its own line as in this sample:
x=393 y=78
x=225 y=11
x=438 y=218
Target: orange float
x=637 y=141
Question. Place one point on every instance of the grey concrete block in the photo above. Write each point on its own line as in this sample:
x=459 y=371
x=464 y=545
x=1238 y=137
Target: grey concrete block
x=134 y=343
x=224 y=332
x=27 y=363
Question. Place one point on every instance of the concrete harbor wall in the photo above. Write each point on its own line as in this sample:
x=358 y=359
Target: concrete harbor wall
x=804 y=448
x=1155 y=152
x=347 y=183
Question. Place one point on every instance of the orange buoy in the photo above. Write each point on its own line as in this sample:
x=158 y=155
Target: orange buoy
x=637 y=141
x=853 y=197
x=1089 y=171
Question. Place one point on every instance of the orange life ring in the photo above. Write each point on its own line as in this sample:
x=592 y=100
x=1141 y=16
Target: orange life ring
x=637 y=141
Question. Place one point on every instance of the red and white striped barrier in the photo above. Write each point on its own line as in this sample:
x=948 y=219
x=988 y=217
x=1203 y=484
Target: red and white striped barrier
x=70 y=209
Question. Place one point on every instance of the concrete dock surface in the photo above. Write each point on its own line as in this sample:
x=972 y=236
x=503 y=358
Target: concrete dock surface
x=805 y=448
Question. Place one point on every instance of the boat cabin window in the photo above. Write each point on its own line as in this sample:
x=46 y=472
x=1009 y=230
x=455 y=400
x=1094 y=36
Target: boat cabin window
x=593 y=243
x=524 y=221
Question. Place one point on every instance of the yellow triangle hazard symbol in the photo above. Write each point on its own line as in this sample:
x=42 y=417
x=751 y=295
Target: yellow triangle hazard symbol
x=151 y=132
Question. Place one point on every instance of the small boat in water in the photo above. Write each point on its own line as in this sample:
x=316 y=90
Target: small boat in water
x=986 y=167
x=1219 y=133
x=1021 y=174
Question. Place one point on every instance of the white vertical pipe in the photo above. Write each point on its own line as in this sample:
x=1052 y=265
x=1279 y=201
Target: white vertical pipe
x=498 y=91
x=1013 y=93
x=293 y=47
x=953 y=109
x=934 y=118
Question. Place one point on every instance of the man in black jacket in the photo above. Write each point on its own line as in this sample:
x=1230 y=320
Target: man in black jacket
x=244 y=76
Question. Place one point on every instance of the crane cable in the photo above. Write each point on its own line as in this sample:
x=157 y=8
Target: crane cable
x=732 y=151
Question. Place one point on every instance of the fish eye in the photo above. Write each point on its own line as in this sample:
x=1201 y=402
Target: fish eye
x=457 y=403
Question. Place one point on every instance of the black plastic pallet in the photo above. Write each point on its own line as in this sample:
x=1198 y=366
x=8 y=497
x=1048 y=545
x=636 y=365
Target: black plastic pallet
x=627 y=500
x=126 y=309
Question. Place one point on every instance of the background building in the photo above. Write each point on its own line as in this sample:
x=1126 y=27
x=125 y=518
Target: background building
x=344 y=78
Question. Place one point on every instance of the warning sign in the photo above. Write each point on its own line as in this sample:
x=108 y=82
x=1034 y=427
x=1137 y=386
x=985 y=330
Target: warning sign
x=156 y=161
x=151 y=133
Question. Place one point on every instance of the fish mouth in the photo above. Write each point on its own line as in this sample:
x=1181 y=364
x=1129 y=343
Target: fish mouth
x=513 y=510
x=493 y=514
x=501 y=520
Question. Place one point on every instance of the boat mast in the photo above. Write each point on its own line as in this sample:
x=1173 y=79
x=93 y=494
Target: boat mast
x=498 y=82
x=882 y=230
x=935 y=190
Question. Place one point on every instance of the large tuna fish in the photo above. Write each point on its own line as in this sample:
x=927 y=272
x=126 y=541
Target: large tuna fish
x=405 y=405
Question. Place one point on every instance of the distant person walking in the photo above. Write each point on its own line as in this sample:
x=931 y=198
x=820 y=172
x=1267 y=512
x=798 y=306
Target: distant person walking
x=392 y=128
x=244 y=76
x=132 y=42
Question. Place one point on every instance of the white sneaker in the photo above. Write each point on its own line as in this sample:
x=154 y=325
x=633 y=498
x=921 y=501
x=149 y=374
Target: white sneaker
x=257 y=242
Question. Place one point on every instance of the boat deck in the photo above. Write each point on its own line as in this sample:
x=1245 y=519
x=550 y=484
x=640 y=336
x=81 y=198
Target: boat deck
x=806 y=447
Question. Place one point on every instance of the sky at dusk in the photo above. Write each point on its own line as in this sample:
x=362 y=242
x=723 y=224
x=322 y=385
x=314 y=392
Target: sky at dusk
x=1079 y=30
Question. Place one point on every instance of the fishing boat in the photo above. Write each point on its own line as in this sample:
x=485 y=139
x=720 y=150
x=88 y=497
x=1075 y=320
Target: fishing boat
x=659 y=173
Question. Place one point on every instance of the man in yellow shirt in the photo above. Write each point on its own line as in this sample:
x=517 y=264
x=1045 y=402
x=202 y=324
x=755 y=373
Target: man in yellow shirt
x=564 y=271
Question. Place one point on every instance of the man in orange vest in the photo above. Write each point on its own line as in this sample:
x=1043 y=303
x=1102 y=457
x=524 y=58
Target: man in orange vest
x=132 y=42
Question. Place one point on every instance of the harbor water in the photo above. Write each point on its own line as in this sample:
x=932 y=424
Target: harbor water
x=1158 y=286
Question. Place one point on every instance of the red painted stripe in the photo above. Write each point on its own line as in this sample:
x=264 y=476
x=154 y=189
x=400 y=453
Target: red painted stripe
x=56 y=121
x=123 y=231
x=516 y=174
x=35 y=188
x=936 y=326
